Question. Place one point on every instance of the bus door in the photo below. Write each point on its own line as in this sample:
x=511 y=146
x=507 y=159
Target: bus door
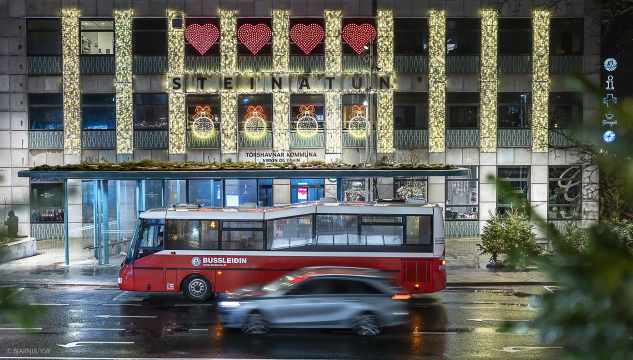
x=149 y=270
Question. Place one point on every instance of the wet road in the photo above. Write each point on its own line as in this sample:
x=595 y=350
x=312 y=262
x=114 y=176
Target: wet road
x=107 y=323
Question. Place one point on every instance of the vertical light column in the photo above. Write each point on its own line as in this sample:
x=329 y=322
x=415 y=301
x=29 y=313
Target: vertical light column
x=488 y=96
x=333 y=48
x=281 y=44
x=70 y=81
x=281 y=121
x=228 y=122
x=384 y=133
x=228 y=41
x=540 y=80
x=333 y=126
x=385 y=123
x=176 y=66
x=123 y=81
x=437 y=81
x=385 y=40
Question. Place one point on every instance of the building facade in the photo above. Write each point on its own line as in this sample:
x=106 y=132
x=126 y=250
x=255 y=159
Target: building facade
x=455 y=82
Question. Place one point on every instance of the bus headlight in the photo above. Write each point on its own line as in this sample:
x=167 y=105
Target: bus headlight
x=229 y=304
x=120 y=280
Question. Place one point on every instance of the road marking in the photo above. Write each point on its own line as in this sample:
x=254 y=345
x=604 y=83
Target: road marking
x=119 y=304
x=198 y=329
x=119 y=296
x=14 y=294
x=551 y=289
x=513 y=349
x=479 y=307
x=97 y=329
x=194 y=304
x=480 y=320
x=136 y=298
x=35 y=304
x=125 y=316
x=20 y=328
x=433 y=333
x=78 y=343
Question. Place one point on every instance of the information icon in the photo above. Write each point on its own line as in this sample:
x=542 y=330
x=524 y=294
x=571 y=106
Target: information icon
x=610 y=64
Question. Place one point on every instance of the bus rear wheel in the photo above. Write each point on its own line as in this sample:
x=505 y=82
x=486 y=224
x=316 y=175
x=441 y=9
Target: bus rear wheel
x=196 y=288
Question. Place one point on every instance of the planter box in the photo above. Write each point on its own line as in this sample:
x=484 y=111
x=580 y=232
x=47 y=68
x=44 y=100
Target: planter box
x=18 y=249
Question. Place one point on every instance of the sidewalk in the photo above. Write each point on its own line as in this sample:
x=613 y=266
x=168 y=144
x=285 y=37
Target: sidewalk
x=464 y=266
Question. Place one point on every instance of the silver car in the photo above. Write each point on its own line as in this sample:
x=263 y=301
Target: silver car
x=363 y=300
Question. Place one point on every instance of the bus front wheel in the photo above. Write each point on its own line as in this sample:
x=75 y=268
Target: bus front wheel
x=196 y=288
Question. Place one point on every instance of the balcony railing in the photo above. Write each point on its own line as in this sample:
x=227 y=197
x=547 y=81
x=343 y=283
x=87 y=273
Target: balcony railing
x=98 y=139
x=356 y=63
x=353 y=142
x=515 y=64
x=151 y=139
x=411 y=138
x=143 y=64
x=462 y=138
x=411 y=64
x=254 y=63
x=202 y=64
x=46 y=139
x=244 y=141
x=461 y=228
x=565 y=64
x=45 y=65
x=97 y=64
x=195 y=142
x=563 y=137
x=514 y=138
x=316 y=141
x=462 y=64
x=301 y=63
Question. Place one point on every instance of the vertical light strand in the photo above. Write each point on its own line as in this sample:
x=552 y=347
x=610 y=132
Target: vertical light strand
x=333 y=47
x=176 y=66
x=228 y=41
x=540 y=80
x=333 y=118
x=228 y=122
x=70 y=81
x=385 y=123
x=437 y=81
x=123 y=81
x=281 y=44
x=281 y=121
x=385 y=40
x=488 y=83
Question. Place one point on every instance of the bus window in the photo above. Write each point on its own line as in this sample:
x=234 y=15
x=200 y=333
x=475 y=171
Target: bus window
x=191 y=235
x=242 y=240
x=290 y=232
x=337 y=229
x=151 y=240
x=419 y=230
x=381 y=230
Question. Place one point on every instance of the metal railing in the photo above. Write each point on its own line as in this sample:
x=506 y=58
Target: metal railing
x=98 y=139
x=251 y=63
x=514 y=64
x=411 y=138
x=149 y=64
x=97 y=64
x=565 y=64
x=151 y=139
x=312 y=63
x=316 y=141
x=514 y=138
x=195 y=142
x=462 y=64
x=46 y=139
x=202 y=64
x=563 y=137
x=44 y=65
x=244 y=141
x=462 y=138
x=411 y=64
x=356 y=63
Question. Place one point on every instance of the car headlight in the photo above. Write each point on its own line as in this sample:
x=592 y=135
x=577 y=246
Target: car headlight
x=229 y=304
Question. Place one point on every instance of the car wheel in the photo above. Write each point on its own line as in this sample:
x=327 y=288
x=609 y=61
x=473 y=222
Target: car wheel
x=367 y=324
x=196 y=288
x=255 y=324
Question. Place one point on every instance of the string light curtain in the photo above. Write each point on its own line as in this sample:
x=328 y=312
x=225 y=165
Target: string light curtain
x=228 y=41
x=333 y=132
x=384 y=61
x=540 y=79
x=437 y=80
x=123 y=81
x=333 y=47
x=176 y=66
x=385 y=123
x=70 y=81
x=385 y=40
x=488 y=83
x=281 y=45
x=228 y=122
x=281 y=121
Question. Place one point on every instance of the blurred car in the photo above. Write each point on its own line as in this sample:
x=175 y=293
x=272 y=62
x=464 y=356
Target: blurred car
x=363 y=300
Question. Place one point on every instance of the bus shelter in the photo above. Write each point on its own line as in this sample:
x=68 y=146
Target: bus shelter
x=105 y=181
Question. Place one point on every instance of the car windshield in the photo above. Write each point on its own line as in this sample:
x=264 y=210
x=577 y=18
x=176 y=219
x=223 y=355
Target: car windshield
x=285 y=282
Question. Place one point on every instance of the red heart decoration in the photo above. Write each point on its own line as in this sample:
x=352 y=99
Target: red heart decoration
x=254 y=36
x=357 y=36
x=202 y=37
x=307 y=36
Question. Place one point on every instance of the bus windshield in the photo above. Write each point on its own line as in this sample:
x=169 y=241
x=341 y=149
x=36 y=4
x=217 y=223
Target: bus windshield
x=130 y=252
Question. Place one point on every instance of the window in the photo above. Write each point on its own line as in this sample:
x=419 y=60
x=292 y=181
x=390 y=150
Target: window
x=354 y=112
x=191 y=234
x=150 y=112
x=98 y=112
x=149 y=36
x=353 y=189
x=291 y=232
x=303 y=190
x=207 y=104
x=304 y=109
x=381 y=230
x=463 y=36
x=411 y=36
x=152 y=237
x=515 y=110
x=267 y=49
x=410 y=188
x=46 y=112
x=517 y=178
x=463 y=110
x=44 y=37
x=347 y=48
x=462 y=196
x=319 y=49
x=240 y=191
x=565 y=110
x=566 y=36
x=337 y=230
x=214 y=50
x=248 y=236
x=515 y=36
x=410 y=111
x=175 y=192
x=255 y=107
x=205 y=192
x=47 y=202
x=564 y=201
x=419 y=230
x=97 y=37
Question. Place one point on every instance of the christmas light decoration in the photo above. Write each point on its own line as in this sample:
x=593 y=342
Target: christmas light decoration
x=203 y=125
x=385 y=123
x=357 y=36
x=70 y=81
x=175 y=44
x=385 y=40
x=176 y=66
x=255 y=125
x=437 y=80
x=123 y=81
x=281 y=121
x=333 y=117
x=488 y=83
x=254 y=37
x=281 y=47
x=202 y=37
x=540 y=80
x=333 y=50
x=358 y=125
x=228 y=41
x=228 y=121
x=307 y=126
x=307 y=36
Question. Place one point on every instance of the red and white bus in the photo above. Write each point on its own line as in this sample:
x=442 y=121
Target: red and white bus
x=201 y=251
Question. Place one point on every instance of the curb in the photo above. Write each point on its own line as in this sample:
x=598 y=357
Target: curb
x=502 y=283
